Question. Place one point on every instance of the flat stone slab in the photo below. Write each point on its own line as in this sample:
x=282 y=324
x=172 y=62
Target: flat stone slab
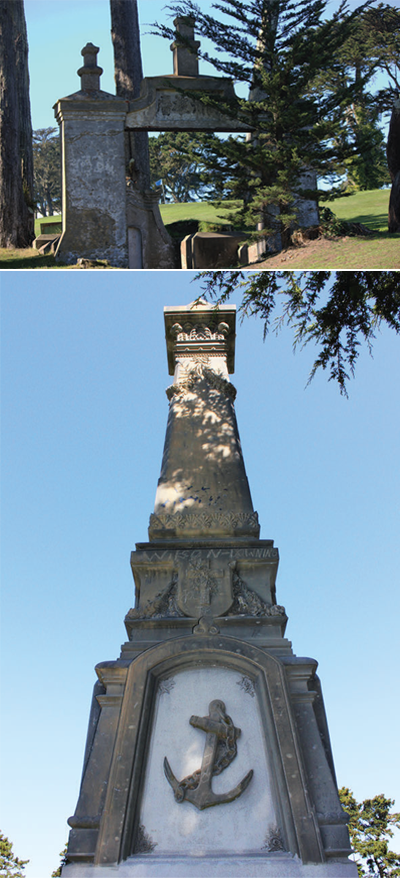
x=42 y=240
x=275 y=865
x=211 y=249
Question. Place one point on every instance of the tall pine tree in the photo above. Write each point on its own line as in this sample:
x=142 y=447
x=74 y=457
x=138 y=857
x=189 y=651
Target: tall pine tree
x=279 y=48
x=371 y=825
x=10 y=865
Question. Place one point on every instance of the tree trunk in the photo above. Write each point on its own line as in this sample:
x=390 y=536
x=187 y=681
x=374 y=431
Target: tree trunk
x=128 y=77
x=393 y=159
x=16 y=158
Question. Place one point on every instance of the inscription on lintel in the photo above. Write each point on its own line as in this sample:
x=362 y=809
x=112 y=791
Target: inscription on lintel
x=268 y=553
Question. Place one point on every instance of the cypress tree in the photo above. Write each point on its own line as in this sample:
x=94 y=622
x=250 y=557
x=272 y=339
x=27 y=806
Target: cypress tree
x=283 y=51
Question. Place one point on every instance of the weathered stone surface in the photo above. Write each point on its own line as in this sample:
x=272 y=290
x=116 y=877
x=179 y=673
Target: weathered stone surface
x=179 y=697
x=211 y=250
x=307 y=208
x=265 y=679
x=48 y=242
x=274 y=865
x=165 y=104
x=253 y=252
x=208 y=750
x=94 y=191
x=149 y=243
x=203 y=488
x=186 y=62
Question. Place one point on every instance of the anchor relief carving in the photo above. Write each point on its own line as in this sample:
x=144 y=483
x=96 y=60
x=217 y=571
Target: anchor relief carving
x=219 y=751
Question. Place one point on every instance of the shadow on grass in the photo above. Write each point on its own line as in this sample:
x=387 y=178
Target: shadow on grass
x=16 y=259
x=375 y=222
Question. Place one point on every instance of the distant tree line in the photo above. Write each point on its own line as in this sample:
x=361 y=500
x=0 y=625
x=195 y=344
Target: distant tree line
x=47 y=171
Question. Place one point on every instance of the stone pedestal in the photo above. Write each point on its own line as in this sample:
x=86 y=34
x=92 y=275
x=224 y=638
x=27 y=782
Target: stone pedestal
x=208 y=750
x=93 y=159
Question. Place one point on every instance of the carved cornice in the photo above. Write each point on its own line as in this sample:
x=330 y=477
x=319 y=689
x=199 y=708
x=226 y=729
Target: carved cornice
x=224 y=523
x=199 y=332
x=200 y=328
x=190 y=338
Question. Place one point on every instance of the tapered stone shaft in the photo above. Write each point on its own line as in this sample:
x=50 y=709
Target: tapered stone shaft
x=203 y=487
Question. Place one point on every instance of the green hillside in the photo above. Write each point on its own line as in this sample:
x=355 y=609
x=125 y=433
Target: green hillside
x=369 y=208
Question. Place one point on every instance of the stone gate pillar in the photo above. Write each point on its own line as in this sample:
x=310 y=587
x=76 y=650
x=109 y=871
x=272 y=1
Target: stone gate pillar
x=92 y=126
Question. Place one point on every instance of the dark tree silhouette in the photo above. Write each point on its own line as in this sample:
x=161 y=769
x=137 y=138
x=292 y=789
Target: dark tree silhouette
x=128 y=77
x=16 y=160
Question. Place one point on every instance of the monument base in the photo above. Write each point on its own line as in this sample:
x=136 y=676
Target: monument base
x=273 y=865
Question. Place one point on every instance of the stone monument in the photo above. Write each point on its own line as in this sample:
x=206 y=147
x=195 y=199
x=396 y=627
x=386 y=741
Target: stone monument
x=105 y=215
x=208 y=750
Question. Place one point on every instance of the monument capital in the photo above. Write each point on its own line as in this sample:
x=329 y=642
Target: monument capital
x=199 y=328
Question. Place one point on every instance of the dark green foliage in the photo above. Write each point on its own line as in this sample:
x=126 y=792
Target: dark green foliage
x=281 y=50
x=337 y=311
x=177 y=159
x=372 y=44
x=310 y=104
x=64 y=861
x=10 y=865
x=47 y=170
x=367 y=169
x=379 y=48
x=371 y=826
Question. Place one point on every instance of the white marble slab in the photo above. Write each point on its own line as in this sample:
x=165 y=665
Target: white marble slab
x=269 y=866
x=239 y=826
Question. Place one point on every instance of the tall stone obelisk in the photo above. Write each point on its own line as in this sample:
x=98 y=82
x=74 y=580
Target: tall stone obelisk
x=208 y=749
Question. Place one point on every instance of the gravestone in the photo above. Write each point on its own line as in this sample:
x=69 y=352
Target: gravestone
x=211 y=249
x=208 y=750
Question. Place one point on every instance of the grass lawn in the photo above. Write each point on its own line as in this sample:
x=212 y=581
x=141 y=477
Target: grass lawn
x=28 y=258
x=202 y=211
x=370 y=208
x=48 y=220
x=370 y=253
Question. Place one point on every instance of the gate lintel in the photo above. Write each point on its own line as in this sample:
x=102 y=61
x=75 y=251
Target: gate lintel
x=165 y=104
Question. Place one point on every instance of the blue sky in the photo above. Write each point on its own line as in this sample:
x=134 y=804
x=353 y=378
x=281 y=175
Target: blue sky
x=84 y=416
x=57 y=31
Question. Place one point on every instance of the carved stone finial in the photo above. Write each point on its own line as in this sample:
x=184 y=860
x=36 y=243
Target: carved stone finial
x=186 y=62
x=200 y=328
x=90 y=72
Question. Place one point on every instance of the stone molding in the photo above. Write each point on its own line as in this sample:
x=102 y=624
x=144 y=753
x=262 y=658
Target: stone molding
x=199 y=332
x=230 y=523
x=245 y=601
x=165 y=104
